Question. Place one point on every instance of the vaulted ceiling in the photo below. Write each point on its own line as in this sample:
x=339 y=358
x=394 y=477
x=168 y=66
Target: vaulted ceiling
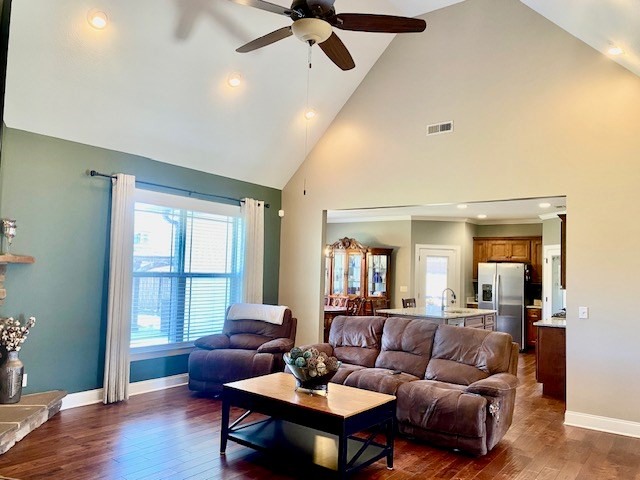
x=154 y=82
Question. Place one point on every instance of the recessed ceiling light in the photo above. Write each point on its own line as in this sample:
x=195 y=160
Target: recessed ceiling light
x=309 y=114
x=462 y=206
x=482 y=215
x=97 y=19
x=235 y=79
x=615 y=50
x=544 y=205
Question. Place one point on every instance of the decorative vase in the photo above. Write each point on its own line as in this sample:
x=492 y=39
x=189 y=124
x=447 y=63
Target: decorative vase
x=11 y=378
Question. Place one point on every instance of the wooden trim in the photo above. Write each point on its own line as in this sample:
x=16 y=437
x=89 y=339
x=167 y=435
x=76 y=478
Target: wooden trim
x=10 y=258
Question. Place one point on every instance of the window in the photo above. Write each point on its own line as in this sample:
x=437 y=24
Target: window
x=187 y=268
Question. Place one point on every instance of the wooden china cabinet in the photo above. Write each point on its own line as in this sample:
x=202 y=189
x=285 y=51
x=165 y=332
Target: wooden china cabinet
x=356 y=270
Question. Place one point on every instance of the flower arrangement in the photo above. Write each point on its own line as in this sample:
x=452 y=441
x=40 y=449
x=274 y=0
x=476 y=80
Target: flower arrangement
x=12 y=334
x=311 y=367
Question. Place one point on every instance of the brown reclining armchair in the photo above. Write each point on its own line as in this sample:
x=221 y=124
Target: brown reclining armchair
x=245 y=348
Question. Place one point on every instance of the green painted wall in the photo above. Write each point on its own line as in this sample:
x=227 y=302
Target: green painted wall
x=509 y=230
x=63 y=221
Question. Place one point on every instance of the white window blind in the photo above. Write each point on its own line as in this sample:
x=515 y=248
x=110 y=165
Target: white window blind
x=187 y=268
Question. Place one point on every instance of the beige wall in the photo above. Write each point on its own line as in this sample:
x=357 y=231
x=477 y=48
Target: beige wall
x=527 y=98
x=396 y=235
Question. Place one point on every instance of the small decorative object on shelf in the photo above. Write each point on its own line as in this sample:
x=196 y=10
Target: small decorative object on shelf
x=8 y=231
x=312 y=369
x=12 y=336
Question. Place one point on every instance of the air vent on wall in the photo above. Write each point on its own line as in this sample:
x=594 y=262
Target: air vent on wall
x=436 y=128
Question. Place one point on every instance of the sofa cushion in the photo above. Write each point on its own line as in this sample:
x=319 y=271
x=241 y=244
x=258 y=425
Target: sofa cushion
x=356 y=340
x=487 y=352
x=453 y=372
x=277 y=345
x=247 y=341
x=379 y=380
x=447 y=410
x=221 y=366
x=258 y=327
x=212 y=342
x=406 y=345
x=345 y=370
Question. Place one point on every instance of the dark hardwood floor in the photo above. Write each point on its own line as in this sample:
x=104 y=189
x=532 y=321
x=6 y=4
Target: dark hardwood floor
x=174 y=434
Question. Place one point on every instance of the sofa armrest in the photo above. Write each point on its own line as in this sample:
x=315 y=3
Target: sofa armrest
x=277 y=345
x=321 y=347
x=496 y=385
x=213 y=342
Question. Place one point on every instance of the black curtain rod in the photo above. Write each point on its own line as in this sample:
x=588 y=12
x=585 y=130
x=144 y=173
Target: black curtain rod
x=93 y=173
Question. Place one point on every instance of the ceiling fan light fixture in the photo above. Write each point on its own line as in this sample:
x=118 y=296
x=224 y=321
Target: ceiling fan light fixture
x=311 y=30
x=234 y=79
x=615 y=50
x=97 y=19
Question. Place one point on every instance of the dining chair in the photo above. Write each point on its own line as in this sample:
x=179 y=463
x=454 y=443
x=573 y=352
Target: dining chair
x=354 y=306
x=408 y=302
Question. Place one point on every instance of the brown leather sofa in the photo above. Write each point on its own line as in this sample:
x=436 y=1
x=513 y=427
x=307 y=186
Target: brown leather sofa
x=245 y=348
x=455 y=386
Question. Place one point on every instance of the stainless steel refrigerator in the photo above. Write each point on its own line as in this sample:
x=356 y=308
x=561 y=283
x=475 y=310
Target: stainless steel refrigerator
x=501 y=288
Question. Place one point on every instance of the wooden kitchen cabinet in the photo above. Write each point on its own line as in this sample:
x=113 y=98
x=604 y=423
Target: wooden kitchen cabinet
x=551 y=361
x=509 y=249
x=532 y=315
x=563 y=251
x=536 y=261
x=479 y=255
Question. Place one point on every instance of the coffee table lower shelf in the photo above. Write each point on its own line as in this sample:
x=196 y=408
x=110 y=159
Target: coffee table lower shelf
x=305 y=445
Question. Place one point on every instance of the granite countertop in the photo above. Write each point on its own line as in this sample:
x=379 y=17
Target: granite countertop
x=552 y=322
x=435 y=312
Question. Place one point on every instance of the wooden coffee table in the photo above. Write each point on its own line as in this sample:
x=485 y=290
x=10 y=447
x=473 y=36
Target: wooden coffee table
x=312 y=428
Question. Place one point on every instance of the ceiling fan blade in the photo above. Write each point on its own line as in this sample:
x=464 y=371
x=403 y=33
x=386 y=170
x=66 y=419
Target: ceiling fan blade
x=365 y=22
x=262 y=5
x=337 y=52
x=267 y=39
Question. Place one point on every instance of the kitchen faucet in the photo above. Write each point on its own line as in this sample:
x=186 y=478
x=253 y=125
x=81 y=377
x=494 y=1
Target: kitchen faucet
x=453 y=296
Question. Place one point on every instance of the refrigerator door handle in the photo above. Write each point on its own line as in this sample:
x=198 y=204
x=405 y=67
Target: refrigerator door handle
x=497 y=294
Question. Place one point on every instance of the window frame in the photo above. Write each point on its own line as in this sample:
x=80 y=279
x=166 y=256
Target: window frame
x=173 y=201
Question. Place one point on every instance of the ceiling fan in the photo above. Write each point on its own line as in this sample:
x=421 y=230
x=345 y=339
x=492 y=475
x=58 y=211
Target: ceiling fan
x=314 y=20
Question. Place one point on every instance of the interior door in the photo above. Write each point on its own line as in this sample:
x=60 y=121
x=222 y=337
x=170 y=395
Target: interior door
x=437 y=268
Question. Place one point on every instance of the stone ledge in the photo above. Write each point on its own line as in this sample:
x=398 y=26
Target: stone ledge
x=18 y=419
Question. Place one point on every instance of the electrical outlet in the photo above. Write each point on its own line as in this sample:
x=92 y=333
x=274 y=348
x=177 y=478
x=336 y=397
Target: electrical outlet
x=583 y=312
x=24 y=380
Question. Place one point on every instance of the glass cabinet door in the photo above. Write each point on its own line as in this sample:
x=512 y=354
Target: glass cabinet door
x=355 y=272
x=377 y=275
x=338 y=273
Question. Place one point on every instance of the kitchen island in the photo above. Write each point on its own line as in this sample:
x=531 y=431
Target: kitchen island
x=551 y=357
x=460 y=317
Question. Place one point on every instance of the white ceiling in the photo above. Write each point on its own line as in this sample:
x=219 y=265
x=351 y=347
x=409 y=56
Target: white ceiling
x=153 y=83
x=508 y=211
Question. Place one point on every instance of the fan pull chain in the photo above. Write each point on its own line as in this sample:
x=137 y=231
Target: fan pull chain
x=306 y=128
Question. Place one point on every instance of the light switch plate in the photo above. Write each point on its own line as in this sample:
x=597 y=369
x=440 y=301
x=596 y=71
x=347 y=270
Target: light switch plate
x=583 y=312
x=404 y=289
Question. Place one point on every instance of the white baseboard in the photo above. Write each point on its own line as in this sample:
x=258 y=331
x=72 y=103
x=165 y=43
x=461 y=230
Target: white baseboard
x=602 y=424
x=89 y=397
